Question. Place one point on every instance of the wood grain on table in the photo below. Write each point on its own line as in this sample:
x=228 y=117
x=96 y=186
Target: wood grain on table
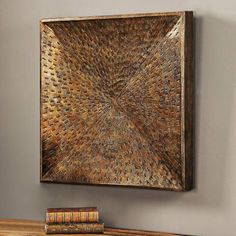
x=36 y=228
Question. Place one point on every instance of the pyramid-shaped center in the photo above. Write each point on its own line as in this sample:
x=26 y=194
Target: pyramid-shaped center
x=111 y=96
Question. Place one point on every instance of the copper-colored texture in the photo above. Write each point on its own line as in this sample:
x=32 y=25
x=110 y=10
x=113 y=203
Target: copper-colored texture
x=116 y=100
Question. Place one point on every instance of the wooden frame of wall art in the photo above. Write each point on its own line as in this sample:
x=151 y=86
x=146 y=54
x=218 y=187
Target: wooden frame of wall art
x=117 y=100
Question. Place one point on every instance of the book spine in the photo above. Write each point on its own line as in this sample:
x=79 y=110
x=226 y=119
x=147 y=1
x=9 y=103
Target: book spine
x=74 y=228
x=74 y=209
x=72 y=217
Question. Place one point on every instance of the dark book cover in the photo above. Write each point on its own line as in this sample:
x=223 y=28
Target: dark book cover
x=74 y=228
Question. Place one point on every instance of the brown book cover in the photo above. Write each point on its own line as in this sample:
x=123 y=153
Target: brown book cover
x=73 y=228
x=72 y=215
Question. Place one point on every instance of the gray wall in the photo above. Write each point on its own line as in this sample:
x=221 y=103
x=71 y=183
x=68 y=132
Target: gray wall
x=207 y=210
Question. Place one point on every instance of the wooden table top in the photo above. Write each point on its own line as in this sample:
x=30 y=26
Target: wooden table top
x=36 y=228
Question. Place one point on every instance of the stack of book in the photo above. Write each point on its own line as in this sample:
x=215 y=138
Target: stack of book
x=73 y=221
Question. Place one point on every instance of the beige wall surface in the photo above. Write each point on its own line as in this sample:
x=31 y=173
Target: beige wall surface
x=208 y=210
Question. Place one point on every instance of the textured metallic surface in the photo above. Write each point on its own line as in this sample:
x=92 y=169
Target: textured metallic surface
x=113 y=101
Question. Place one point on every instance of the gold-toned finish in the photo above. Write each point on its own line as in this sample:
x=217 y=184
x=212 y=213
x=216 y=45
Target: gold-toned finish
x=116 y=100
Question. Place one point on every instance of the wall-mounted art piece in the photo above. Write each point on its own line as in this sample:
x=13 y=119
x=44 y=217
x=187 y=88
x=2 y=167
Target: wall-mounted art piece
x=116 y=100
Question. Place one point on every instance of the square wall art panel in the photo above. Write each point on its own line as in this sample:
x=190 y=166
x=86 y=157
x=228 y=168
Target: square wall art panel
x=116 y=100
